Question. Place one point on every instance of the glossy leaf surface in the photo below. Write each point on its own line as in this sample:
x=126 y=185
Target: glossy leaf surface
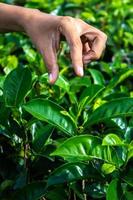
x=50 y=112
x=78 y=148
x=89 y=94
x=108 y=168
x=114 y=190
x=16 y=86
x=112 y=109
x=88 y=147
x=97 y=76
x=112 y=140
x=41 y=135
x=72 y=172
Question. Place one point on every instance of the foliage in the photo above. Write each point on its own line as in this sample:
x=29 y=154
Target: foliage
x=72 y=140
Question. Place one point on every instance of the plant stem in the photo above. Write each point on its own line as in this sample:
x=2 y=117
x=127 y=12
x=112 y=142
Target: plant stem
x=83 y=187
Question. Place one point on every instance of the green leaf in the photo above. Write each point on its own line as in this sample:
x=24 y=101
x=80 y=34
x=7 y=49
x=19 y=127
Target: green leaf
x=89 y=94
x=108 y=168
x=97 y=76
x=77 y=148
x=120 y=122
x=32 y=191
x=119 y=78
x=42 y=133
x=127 y=175
x=61 y=81
x=21 y=180
x=5 y=184
x=112 y=140
x=129 y=195
x=72 y=172
x=9 y=63
x=128 y=134
x=30 y=54
x=88 y=147
x=96 y=190
x=57 y=193
x=112 y=154
x=50 y=112
x=114 y=190
x=92 y=91
x=130 y=151
x=4 y=112
x=78 y=82
x=115 y=108
x=77 y=189
x=16 y=86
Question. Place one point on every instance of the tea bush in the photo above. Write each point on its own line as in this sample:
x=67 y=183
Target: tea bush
x=72 y=140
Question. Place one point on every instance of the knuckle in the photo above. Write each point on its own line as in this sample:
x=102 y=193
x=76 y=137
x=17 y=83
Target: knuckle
x=65 y=20
x=49 y=62
x=103 y=36
x=50 y=67
x=76 y=43
x=68 y=19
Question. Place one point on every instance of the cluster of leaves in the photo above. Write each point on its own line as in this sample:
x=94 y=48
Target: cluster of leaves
x=72 y=140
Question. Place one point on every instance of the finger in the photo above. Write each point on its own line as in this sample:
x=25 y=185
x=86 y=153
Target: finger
x=49 y=56
x=86 y=48
x=97 y=47
x=51 y=64
x=86 y=62
x=69 y=30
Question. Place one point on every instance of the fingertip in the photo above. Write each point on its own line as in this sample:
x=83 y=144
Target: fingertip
x=52 y=78
x=80 y=71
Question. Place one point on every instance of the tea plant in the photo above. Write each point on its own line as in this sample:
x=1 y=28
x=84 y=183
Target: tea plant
x=72 y=140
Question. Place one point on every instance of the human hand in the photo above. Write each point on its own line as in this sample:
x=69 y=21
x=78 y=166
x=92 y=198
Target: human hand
x=86 y=42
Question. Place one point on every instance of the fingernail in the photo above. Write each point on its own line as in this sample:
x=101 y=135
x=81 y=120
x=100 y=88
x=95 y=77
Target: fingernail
x=50 y=78
x=80 y=71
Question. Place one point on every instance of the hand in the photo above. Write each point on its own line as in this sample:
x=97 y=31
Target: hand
x=86 y=42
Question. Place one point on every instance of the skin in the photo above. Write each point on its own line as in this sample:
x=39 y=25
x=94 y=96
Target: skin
x=45 y=31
